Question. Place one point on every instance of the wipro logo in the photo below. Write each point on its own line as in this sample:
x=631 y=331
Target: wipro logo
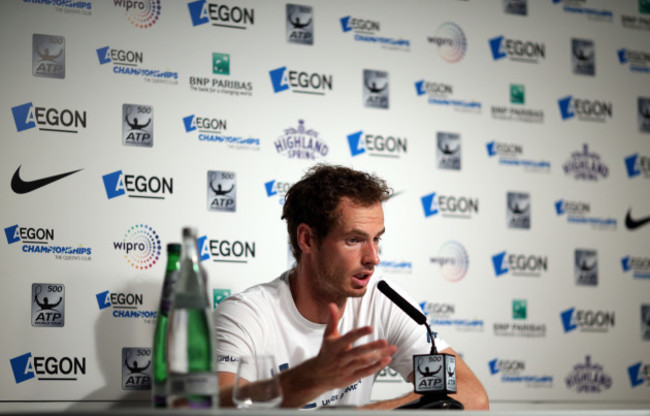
x=26 y=367
x=142 y=246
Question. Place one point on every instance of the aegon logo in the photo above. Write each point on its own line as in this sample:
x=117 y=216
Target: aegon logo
x=222 y=15
x=225 y=250
x=204 y=124
x=636 y=165
x=639 y=374
x=517 y=50
x=572 y=207
x=449 y=206
x=519 y=264
x=27 y=116
x=586 y=320
x=277 y=188
x=107 y=299
x=504 y=149
x=28 y=235
x=584 y=109
x=376 y=145
x=639 y=266
x=423 y=87
x=506 y=366
x=26 y=367
x=300 y=81
x=138 y=186
x=119 y=56
x=124 y=305
x=349 y=23
x=437 y=309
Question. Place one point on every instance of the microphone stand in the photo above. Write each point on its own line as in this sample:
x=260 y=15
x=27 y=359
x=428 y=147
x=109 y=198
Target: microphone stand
x=433 y=400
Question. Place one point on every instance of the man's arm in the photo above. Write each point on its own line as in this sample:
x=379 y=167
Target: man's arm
x=470 y=391
x=337 y=364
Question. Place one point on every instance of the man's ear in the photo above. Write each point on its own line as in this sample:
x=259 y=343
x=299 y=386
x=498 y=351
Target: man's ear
x=306 y=238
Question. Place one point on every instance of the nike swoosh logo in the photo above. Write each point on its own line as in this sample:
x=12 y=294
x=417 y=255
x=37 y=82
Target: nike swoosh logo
x=20 y=186
x=633 y=224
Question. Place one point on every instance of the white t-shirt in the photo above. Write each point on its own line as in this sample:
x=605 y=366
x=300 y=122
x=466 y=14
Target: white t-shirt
x=264 y=320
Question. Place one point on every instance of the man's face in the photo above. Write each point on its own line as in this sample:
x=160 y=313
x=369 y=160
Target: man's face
x=345 y=258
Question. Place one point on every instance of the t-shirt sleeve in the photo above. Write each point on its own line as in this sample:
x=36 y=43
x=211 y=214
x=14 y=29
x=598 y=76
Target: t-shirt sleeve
x=402 y=331
x=237 y=328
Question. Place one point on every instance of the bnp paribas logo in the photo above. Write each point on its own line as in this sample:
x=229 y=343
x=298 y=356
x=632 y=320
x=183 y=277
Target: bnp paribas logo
x=517 y=94
x=519 y=309
x=48 y=56
x=220 y=63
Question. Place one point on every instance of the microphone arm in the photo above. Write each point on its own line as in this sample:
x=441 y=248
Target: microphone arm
x=405 y=306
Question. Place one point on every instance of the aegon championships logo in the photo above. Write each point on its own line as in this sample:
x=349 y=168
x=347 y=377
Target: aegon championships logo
x=442 y=94
x=367 y=31
x=639 y=266
x=509 y=154
x=514 y=372
x=453 y=261
x=444 y=314
x=450 y=42
x=579 y=7
x=141 y=246
x=579 y=212
x=130 y=62
x=41 y=241
x=637 y=61
x=141 y=13
x=125 y=305
x=277 y=188
x=214 y=130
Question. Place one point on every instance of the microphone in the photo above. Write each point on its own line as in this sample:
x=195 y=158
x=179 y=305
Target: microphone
x=434 y=375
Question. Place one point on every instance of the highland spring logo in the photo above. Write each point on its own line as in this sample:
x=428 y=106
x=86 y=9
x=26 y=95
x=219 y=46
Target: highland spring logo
x=301 y=143
x=588 y=378
x=586 y=165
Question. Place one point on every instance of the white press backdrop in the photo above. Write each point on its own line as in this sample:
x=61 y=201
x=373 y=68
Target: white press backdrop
x=499 y=112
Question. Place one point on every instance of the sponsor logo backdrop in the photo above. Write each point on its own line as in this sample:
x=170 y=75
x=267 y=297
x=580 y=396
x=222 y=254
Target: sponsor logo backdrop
x=518 y=155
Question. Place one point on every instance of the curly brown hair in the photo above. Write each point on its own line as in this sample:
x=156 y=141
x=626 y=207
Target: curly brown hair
x=313 y=200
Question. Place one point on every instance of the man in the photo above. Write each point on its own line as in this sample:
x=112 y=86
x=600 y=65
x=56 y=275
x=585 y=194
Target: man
x=325 y=322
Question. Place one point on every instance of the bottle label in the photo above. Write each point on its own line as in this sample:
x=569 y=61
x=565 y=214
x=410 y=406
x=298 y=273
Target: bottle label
x=203 y=383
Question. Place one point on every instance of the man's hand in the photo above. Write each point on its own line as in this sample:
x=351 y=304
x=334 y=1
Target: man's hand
x=337 y=364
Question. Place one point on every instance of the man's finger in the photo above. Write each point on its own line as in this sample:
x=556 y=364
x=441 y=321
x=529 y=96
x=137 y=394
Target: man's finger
x=332 y=328
x=368 y=353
